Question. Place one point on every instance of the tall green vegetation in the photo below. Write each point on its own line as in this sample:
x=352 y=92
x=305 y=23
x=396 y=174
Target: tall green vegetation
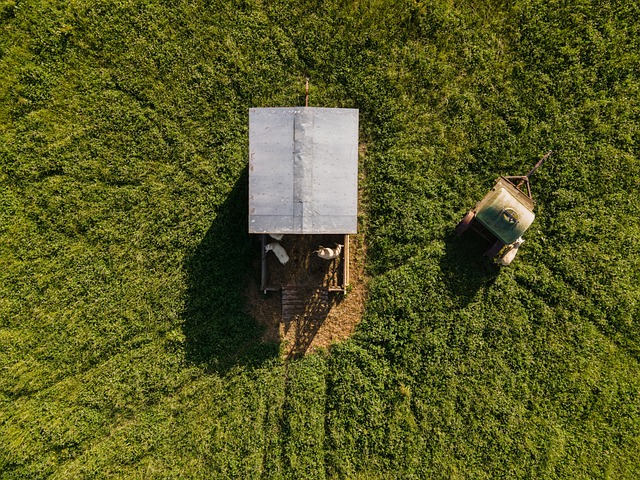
x=126 y=349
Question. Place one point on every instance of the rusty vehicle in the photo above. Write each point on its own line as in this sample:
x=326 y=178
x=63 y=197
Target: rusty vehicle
x=504 y=214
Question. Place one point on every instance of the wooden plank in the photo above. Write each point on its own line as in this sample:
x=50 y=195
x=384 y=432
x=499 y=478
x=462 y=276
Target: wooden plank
x=345 y=274
x=304 y=302
x=263 y=269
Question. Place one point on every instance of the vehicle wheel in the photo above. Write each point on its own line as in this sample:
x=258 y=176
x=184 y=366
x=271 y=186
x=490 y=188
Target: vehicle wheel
x=465 y=223
x=494 y=249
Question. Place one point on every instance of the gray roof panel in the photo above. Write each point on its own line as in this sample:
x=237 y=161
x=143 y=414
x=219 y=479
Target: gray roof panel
x=303 y=170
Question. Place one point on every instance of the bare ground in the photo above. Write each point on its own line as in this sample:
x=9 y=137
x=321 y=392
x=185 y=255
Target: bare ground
x=318 y=327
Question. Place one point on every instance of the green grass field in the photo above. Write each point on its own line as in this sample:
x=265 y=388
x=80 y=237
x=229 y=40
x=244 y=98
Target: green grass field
x=125 y=346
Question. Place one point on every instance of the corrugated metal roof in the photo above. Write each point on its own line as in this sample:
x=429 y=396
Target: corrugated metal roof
x=303 y=170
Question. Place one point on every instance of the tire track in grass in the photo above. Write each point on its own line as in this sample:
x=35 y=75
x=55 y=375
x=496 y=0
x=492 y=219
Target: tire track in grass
x=82 y=405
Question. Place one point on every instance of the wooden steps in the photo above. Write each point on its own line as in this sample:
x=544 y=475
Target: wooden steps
x=302 y=302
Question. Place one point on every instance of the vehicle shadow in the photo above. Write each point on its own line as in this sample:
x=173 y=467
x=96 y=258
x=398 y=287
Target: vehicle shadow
x=219 y=331
x=464 y=268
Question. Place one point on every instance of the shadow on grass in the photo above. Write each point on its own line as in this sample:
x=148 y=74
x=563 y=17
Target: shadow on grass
x=464 y=267
x=219 y=331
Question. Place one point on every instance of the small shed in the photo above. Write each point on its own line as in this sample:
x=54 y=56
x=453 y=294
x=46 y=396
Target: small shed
x=303 y=175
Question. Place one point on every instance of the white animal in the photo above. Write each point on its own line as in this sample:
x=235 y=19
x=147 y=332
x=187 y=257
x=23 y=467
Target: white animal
x=329 y=253
x=276 y=236
x=507 y=257
x=279 y=250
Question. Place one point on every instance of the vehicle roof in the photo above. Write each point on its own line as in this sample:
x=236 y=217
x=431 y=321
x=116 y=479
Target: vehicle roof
x=506 y=212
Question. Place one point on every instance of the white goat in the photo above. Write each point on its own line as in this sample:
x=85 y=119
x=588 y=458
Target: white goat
x=279 y=250
x=329 y=253
x=507 y=257
x=276 y=236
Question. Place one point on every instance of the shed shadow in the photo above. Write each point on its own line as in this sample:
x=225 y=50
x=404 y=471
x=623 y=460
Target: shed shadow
x=465 y=270
x=219 y=331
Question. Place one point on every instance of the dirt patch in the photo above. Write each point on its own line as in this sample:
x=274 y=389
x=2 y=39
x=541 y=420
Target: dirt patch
x=265 y=309
x=304 y=266
x=315 y=328
x=345 y=311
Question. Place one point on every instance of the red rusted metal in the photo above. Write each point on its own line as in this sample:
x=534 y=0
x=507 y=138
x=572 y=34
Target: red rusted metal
x=540 y=162
x=465 y=223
